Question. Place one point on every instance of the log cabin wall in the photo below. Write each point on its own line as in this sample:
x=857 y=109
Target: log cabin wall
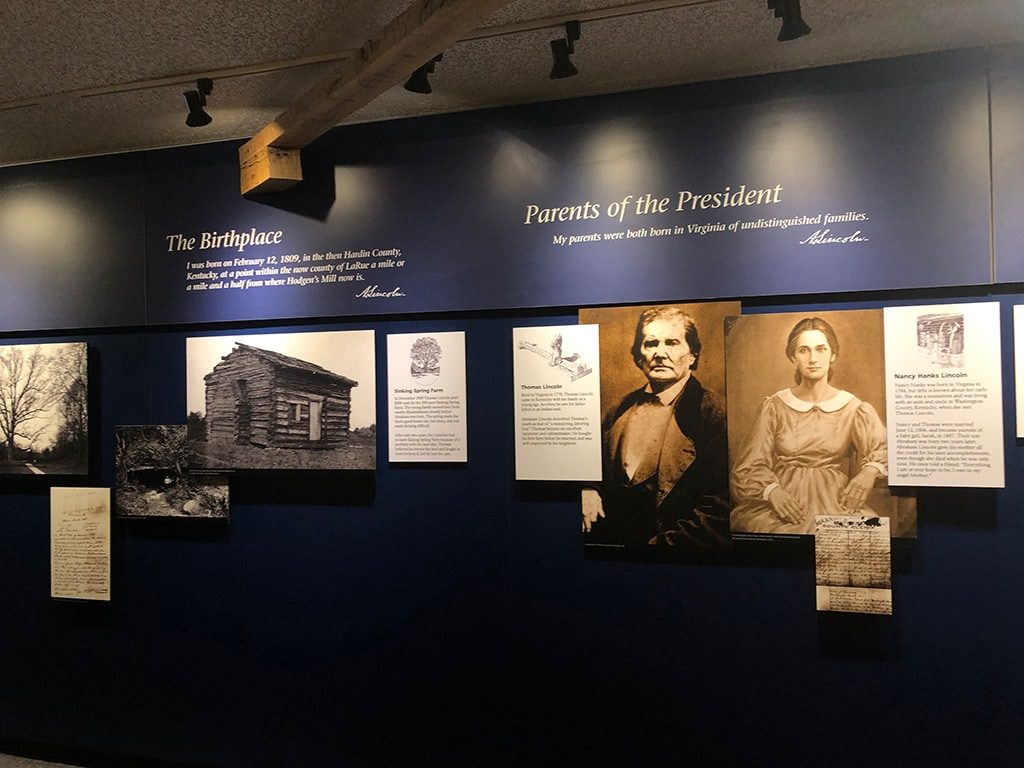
x=293 y=392
x=240 y=387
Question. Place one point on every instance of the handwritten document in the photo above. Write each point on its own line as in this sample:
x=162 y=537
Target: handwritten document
x=80 y=543
x=853 y=564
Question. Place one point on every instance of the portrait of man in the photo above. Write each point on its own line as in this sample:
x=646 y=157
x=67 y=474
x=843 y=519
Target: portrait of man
x=664 y=437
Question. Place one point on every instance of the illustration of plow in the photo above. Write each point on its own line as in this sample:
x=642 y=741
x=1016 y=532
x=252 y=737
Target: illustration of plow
x=571 y=364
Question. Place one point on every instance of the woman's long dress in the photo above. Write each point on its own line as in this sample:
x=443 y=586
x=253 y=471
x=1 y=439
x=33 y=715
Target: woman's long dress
x=808 y=450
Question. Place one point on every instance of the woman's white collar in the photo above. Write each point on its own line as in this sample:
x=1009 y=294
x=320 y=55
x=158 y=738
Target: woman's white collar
x=839 y=400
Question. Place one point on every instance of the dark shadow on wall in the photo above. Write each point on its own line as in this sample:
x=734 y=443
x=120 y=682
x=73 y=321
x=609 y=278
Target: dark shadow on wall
x=314 y=196
x=356 y=488
x=857 y=637
x=960 y=507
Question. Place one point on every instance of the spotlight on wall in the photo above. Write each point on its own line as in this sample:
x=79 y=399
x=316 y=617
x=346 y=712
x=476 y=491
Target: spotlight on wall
x=793 y=24
x=419 y=81
x=562 y=49
x=196 y=100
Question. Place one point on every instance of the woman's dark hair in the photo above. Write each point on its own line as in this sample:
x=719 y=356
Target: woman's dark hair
x=812 y=324
x=648 y=316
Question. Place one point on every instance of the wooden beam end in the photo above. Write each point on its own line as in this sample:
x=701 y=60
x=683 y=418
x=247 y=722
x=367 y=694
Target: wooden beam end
x=270 y=169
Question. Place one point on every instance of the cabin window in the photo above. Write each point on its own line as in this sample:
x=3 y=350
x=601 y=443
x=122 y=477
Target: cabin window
x=297 y=412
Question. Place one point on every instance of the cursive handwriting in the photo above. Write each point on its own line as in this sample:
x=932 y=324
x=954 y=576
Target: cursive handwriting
x=822 y=237
x=374 y=292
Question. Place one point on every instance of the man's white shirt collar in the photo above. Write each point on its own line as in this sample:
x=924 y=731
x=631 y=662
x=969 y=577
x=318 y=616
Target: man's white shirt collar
x=667 y=396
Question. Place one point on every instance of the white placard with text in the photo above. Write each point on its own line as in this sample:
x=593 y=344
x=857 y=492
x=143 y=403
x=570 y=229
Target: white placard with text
x=943 y=388
x=427 y=396
x=557 y=380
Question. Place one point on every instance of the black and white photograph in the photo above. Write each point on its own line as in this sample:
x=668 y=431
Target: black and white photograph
x=44 y=409
x=282 y=401
x=664 y=441
x=807 y=416
x=153 y=476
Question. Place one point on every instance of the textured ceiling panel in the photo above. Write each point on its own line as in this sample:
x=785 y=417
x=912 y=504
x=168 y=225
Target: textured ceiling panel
x=141 y=119
x=695 y=43
x=64 y=46
x=539 y=9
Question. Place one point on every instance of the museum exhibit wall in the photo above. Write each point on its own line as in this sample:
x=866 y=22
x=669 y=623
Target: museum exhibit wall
x=447 y=613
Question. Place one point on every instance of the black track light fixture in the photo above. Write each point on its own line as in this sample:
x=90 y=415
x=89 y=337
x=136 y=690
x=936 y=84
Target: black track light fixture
x=419 y=81
x=196 y=100
x=793 y=24
x=562 y=49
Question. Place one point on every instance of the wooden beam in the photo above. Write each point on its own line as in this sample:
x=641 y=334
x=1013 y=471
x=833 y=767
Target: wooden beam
x=423 y=30
x=272 y=169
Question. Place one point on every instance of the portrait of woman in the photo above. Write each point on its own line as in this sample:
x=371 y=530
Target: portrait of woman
x=812 y=447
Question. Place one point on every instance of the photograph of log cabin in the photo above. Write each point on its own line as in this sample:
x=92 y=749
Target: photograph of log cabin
x=282 y=401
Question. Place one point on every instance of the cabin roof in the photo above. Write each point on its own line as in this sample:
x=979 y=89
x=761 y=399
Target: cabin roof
x=294 y=364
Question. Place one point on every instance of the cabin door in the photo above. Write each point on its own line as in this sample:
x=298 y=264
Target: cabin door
x=315 y=407
x=243 y=414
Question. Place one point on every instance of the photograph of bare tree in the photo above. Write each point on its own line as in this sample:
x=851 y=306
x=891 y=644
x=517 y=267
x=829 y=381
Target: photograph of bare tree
x=153 y=479
x=44 y=409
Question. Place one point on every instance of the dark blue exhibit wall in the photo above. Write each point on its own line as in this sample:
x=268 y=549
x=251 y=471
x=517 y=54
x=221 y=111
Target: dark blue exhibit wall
x=431 y=614
x=72 y=244
x=447 y=615
x=866 y=177
x=703 y=192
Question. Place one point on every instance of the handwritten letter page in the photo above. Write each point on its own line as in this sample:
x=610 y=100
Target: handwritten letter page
x=853 y=564
x=80 y=543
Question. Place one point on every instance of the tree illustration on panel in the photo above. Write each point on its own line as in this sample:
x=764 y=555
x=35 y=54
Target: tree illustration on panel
x=426 y=357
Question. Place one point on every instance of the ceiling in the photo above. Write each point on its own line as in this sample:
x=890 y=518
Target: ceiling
x=78 y=78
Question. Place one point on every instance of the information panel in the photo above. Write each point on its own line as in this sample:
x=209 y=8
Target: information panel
x=427 y=396
x=944 y=395
x=556 y=374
